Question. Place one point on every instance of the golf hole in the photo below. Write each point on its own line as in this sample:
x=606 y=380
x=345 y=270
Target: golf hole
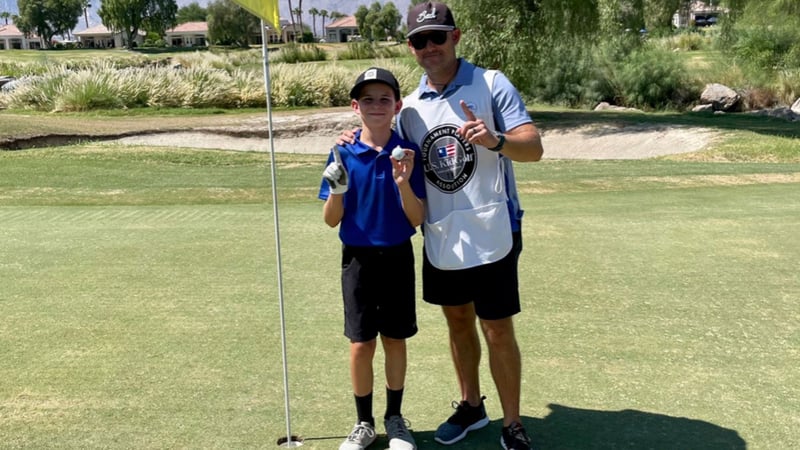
x=295 y=441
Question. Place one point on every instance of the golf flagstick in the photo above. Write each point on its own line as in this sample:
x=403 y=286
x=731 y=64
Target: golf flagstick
x=289 y=441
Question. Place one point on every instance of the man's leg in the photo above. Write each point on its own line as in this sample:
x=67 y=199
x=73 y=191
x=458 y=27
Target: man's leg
x=465 y=348
x=505 y=362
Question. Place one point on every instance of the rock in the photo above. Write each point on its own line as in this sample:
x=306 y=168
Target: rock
x=721 y=97
x=796 y=106
x=5 y=80
x=605 y=106
x=703 y=108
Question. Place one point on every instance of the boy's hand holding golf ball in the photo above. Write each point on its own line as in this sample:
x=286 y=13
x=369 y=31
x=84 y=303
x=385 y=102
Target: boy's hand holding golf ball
x=403 y=162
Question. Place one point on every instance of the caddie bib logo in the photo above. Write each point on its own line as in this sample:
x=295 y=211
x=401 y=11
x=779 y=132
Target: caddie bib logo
x=448 y=159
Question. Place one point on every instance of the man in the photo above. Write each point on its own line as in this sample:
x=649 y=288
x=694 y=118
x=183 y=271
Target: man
x=470 y=123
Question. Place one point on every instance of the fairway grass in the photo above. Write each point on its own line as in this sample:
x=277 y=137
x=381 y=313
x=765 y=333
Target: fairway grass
x=140 y=306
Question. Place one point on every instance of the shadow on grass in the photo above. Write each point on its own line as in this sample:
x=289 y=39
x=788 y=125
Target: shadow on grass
x=586 y=429
x=735 y=121
x=573 y=428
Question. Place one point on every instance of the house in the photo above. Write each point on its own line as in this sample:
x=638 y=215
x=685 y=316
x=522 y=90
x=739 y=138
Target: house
x=99 y=36
x=12 y=38
x=195 y=34
x=697 y=14
x=342 y=30
x=189 y=34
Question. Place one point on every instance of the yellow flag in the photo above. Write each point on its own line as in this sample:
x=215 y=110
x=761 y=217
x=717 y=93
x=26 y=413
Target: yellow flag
x=265 y=9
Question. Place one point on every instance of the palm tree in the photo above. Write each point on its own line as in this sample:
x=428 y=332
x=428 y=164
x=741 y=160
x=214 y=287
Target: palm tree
x=299 y=14
x=86 y=6
x=324 y=14
x=291 y=14
x=5 y=15
x=300 y=17
x=313 y=12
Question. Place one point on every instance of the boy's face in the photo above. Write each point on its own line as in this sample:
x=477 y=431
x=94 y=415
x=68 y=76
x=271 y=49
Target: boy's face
x=376 y=105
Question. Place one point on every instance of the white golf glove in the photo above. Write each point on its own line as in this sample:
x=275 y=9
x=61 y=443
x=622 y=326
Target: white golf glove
x=336 y=176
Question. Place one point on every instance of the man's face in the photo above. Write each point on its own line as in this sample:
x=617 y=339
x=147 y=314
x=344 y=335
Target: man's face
x=434 y=48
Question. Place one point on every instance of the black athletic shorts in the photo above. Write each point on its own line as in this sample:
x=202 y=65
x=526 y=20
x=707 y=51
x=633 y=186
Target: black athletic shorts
x=379 y=292
x=493 y=288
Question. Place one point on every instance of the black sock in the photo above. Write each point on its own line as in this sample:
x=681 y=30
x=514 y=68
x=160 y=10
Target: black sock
x=394 y=401
x=364 y=409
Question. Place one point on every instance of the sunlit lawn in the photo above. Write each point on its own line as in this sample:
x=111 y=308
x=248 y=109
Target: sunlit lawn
x=140 y=305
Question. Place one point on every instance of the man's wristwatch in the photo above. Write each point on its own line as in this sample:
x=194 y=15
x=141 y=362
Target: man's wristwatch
x=500 y=143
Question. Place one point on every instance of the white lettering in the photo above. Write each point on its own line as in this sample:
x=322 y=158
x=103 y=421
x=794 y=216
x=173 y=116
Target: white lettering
x=423 y=16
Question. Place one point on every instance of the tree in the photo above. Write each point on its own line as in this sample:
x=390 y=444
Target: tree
x=324 y=14
x=192 y=12
x=313 y=12
x=291 y=16
x=389 y=20
x=229 y=24
x=48 y=18
x=298 y=13
x=300 y=16
x=86 y=6
x=132 y=16
x=5 y=15
x=361 y=21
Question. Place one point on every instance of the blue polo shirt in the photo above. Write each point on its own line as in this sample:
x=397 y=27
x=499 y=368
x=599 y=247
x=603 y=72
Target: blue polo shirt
x=373 y=213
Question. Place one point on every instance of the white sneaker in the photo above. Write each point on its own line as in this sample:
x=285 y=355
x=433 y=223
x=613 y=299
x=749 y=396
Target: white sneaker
x=361 y=437
x=399 y=436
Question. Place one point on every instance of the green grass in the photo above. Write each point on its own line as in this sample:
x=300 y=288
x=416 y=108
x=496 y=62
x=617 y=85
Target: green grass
x=140 y=305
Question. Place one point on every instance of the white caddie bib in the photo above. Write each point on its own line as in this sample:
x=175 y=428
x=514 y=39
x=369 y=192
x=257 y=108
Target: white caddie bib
x=467 y=222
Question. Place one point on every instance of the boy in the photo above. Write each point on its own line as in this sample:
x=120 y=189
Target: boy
x=375 y=196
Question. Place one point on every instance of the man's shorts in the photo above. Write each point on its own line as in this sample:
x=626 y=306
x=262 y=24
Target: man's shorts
x=493 y=288
x=379 y=292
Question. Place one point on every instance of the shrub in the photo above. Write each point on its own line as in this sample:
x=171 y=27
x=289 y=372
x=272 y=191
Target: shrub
x=292 y=53
x=653 y=79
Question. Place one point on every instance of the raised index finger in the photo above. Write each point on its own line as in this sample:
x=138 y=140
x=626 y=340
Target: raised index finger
x=468 y=112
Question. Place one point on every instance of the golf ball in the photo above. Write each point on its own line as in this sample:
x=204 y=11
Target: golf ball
x=398 y=153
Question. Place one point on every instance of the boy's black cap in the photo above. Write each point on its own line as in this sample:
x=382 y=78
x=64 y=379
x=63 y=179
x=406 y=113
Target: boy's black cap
x=429 y=16
x=375 y=75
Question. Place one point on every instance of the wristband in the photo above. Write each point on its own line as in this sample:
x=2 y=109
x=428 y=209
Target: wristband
x=500 y=144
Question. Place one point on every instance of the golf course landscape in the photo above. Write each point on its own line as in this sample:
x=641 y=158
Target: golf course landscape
x=142 y=299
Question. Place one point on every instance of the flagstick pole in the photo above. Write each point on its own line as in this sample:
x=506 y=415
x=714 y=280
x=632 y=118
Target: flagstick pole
x=289 y=441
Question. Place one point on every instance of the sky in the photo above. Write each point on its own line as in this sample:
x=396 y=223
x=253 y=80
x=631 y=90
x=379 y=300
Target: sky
x=343 y=6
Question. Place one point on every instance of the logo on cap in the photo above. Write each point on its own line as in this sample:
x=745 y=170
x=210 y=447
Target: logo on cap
x=424 y=15
x=371 y=74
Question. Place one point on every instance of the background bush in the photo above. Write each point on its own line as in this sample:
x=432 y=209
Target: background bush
x=191 y=80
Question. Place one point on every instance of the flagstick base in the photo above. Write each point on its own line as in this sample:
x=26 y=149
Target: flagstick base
x=293 y=442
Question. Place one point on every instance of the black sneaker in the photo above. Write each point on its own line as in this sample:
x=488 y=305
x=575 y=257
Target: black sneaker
x=466 y=418
x=514 y=437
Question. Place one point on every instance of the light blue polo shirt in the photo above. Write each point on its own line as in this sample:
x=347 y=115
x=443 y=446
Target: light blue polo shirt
x=373 y=213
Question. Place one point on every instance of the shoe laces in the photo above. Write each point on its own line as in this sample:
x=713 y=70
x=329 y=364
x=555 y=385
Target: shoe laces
x=465 y=411
x=397 y=426
x=360 y=431
x=517 y=432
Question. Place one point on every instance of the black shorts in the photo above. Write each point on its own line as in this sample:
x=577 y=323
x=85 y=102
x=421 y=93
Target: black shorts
x=493 y=288
x=379 y=292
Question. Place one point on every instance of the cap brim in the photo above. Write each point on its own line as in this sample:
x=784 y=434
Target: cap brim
x=431 y=28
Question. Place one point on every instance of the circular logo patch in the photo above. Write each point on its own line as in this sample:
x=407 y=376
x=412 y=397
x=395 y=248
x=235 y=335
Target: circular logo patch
x=449 y=160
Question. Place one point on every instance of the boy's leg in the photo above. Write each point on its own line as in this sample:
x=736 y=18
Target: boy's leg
x=395 y=362
x=361 y=373
x=361 y=376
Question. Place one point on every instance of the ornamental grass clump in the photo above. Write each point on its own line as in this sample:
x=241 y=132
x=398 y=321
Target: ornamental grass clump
x=87 y=90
